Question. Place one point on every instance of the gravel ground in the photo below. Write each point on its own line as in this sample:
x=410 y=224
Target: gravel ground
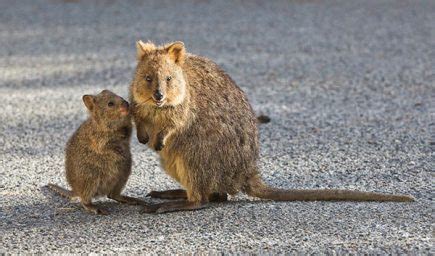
x=348 y=85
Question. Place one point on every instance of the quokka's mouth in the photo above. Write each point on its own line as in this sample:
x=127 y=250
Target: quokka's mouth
x=159 y=103
x=124 y=111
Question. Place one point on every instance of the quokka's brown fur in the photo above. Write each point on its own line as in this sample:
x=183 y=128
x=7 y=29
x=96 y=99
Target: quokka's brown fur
x=187 y=108
x=97 y=156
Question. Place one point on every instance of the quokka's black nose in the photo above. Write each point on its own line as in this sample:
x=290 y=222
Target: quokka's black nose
x=158 y=95
x=125 y=104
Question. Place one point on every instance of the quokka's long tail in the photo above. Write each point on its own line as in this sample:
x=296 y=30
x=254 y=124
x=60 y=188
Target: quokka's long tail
x=257 y=188
x=61 y=191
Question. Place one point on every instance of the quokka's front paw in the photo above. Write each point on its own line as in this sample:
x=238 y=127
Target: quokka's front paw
x=159 y=145
x=143 y=139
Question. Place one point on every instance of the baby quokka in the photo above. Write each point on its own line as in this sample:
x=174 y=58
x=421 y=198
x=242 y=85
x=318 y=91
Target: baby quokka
x=97 y=156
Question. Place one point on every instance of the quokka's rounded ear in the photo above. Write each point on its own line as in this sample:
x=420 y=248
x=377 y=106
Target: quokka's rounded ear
x=176 y=51
x=143 y=49
x=89 y=101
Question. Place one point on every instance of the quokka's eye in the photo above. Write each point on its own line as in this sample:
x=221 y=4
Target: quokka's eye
x=110 y=104
x=168 y=78
x=148 y=78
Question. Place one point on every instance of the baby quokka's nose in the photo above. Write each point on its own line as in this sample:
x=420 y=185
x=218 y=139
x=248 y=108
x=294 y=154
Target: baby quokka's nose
x=125 y=104
x=158 y=95
x=124 y=107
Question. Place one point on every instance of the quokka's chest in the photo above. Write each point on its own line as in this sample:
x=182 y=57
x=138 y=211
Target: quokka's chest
x=161 y=118
x=115 y=152
x=153 y=123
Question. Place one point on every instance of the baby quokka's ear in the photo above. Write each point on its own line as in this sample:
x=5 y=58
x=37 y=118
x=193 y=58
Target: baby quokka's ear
x=89 y=101
x=176 y=52
x=143 y=49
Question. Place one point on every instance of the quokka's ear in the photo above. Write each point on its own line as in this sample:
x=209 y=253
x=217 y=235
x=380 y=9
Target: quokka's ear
x=89 y=101
x=143 y=49
x=176 y=51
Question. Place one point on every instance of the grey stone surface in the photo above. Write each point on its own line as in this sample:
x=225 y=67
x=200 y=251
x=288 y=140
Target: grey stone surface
x=348 y=85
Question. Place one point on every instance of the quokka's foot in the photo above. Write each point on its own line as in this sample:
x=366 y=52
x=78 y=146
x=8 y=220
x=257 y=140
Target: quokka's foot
x=169 y=194
x=102 y=212
x=218 y=197
x=150 y=208
x=95 y=210
x=173 y=207
x=127 y=200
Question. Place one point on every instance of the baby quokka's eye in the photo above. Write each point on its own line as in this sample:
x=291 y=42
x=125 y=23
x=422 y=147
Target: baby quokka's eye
x=168 y=78
x=110 y=104
x=148 y=78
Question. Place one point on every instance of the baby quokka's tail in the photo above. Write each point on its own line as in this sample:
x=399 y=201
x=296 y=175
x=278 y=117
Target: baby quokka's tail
x=61 y=191
x=257 y=188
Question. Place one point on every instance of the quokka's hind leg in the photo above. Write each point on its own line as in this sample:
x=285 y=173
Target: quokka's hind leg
x=87 y=204
x=182 y=194
x=195 y=201
x=174 y=206
x=86 y=194
x=116 y=195
x=169 y=194
x=127 y=199
x=218 y=197
x=61 y=191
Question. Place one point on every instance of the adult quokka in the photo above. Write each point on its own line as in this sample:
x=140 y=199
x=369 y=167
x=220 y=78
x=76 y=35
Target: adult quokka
x=187 y=108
